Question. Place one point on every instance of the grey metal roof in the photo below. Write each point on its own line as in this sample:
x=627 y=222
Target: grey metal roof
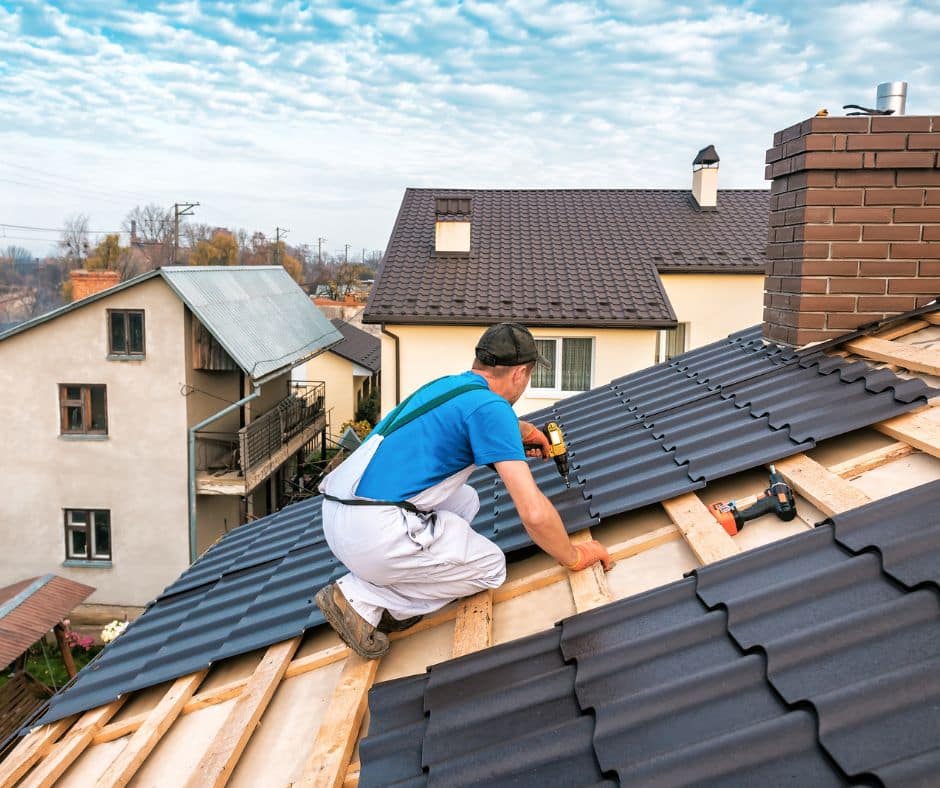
x=638 y=440
x=809 y=661
x=261 y=316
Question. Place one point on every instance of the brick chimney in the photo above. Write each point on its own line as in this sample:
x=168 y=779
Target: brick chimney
x=854 y=224
x=87 y=283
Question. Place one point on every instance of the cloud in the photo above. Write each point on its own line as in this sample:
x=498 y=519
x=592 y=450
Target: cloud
x=309 y=103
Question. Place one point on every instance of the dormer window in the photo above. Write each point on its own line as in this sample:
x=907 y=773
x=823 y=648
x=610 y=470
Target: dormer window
x=452 y=225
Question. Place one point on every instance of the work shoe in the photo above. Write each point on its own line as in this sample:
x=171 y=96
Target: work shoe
x=355 y=631
x=389 y=623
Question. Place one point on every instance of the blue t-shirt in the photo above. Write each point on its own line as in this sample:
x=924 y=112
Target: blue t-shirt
x=474 y=428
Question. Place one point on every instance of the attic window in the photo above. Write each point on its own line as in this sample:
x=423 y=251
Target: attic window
x=452 y=237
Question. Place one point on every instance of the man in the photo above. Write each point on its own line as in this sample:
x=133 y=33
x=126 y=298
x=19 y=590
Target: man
x=397 y=512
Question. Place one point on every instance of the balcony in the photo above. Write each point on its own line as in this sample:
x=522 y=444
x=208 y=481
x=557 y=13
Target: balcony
x=234 y=463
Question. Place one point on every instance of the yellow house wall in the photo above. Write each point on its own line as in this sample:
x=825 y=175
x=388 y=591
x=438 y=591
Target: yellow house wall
x=428 y=352
x=138 y=472
x=715 y=305
x=337 y=373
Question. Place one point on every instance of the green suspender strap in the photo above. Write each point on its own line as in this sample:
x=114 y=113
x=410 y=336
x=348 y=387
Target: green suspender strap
x=395 y=422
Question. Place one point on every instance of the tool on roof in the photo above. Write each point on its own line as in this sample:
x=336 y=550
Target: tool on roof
x=866 y=110
x=557 y=449
x=776 y=499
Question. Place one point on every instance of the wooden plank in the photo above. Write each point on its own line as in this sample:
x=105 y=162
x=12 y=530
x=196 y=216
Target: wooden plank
x=828 y=492
x=217 y=764
x=912 y=357
x=34 y=746
x=158 y=721
x=73 y=744
x=871 y=460
x=914 y=429
x=329 y=758
x=902 y=330
x=473 y=629
x=351 y=780
x=707 y=539
x=319 y=659
x=932 y=317
x=589 y=586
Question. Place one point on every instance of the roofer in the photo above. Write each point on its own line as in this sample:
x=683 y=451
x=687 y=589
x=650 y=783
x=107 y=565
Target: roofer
x=397 y=511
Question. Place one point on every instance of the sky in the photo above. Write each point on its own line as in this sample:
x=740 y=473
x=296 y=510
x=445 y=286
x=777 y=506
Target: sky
x=316 y=116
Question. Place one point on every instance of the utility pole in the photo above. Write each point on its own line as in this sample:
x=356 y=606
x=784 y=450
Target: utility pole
x=277 y=243
x=180 y=209
x=363 y=255
x=320 y=250
x=346 y=253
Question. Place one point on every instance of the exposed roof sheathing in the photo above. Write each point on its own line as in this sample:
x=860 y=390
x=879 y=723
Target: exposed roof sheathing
x=597 y=252
x=631 y=444
x=708 y=680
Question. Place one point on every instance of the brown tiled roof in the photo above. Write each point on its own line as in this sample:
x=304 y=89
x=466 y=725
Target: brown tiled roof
x=560 y=257
x=358 y=346
x=30 y=608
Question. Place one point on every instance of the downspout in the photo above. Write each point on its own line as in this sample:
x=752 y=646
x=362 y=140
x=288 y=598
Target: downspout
x=397 y=363
x=192 y=463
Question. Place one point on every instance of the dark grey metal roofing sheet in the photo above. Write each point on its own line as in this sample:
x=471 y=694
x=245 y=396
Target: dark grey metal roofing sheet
x=358 y=346
x=630 y=447
x=807 y=661
x=395 y=741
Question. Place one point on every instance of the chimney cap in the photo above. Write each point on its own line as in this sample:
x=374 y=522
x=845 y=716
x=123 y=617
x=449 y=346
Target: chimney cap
x=706 y=156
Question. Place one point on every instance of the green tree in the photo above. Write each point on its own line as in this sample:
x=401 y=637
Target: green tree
x=107 y=255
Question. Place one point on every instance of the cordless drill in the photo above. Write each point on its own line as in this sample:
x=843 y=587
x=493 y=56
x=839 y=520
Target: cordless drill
x=777 y=498
x=556 y=448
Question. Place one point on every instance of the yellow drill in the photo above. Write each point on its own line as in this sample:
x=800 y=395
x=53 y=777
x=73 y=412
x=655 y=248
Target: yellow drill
x=556 y=448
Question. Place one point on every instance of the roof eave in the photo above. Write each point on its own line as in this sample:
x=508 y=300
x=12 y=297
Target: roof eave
x=594 y=322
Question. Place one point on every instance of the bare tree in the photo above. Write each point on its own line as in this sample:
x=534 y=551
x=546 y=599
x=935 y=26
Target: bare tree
x=150 y=229
x=74 y=239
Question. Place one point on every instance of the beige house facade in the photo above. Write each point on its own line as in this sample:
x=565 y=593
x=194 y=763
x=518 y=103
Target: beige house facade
x=608 y=281
x=351 y=371
x=102 y=396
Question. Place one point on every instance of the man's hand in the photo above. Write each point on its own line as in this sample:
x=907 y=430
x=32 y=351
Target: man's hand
x=534 y=441
x=589 y=553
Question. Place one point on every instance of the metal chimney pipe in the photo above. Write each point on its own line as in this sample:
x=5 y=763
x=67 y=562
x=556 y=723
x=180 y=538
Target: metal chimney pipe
x=892 y=95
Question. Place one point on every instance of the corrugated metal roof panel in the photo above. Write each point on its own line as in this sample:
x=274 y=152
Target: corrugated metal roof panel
x=260 y=315
x=623 y=457
x=806 y=661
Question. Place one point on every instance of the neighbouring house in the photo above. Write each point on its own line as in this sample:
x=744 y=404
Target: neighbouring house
x=794 y=652
x=351 y=371
x=609 y=280
x=148 y=419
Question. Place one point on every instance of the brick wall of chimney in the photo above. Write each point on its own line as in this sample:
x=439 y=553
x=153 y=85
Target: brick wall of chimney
x=854 y=224
x=86 y=283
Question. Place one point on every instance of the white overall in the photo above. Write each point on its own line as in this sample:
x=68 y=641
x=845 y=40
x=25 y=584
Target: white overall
x=408 y=564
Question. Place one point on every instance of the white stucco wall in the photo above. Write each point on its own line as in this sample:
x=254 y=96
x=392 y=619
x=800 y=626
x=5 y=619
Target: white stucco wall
x=138 y=472
x=337 y=373
x=428 y=352
x=715 y=305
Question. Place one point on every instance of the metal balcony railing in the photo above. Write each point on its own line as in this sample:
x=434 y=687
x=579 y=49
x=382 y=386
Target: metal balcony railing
x=257 y=447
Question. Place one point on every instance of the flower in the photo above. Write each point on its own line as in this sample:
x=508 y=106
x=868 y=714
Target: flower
x=112 y=630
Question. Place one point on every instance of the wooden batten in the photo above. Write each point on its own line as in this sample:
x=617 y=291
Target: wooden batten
x=704 y=535
x=828 y=492
x=208 y=354
x=912 y=357
x=473 y=627
x=589 y=586
x=914 y=429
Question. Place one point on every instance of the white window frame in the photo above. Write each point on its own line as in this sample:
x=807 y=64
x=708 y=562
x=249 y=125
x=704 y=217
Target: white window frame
x=92 y=553
x=557 y=390
x=662 y=343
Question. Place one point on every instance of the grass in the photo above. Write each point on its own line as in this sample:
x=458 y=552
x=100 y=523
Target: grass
x=53 y=673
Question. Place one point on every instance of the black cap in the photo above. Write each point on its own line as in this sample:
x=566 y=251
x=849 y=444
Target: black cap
x=506 y=345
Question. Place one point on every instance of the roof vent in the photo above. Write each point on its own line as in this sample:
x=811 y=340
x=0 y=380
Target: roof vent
x=893 y=96
x=705 y=178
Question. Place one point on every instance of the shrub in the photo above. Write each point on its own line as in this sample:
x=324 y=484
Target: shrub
x=368 y=409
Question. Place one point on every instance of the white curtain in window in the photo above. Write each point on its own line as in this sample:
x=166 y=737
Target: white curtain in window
x=576 y=365
x=544 y=377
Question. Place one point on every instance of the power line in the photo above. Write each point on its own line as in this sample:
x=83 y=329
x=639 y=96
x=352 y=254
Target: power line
x=61 y=229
